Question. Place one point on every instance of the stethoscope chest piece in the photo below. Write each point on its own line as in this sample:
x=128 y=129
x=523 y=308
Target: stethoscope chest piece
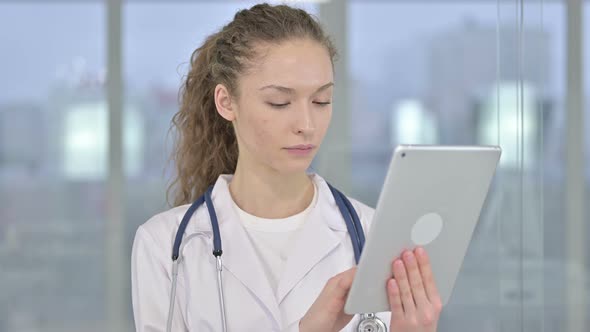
x=371 y=323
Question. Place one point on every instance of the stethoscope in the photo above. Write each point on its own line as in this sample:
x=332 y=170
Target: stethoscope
x=368 y=322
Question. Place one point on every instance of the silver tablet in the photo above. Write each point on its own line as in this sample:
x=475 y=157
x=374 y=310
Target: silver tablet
x=432 y=197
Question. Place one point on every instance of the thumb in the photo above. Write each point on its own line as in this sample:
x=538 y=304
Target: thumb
x=326 y=313
x=337 y=289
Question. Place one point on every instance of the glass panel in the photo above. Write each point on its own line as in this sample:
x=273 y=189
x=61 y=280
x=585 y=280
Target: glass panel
x=413 y=75
x=430 y=81
x=465 y=73
x=52 y=166
x=586 y=139
x=541 y=39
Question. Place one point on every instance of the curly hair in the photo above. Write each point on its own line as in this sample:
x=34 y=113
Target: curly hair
x=206 y=145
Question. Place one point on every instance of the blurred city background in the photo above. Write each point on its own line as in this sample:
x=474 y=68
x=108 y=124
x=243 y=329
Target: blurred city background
x=85 y=160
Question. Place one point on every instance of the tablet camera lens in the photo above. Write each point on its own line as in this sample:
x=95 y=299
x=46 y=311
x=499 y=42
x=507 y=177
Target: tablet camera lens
x=403 y=155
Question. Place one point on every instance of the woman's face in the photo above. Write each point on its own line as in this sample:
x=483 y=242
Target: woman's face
x=283 y=108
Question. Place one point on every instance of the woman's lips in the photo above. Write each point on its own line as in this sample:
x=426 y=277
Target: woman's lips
x=300 y=150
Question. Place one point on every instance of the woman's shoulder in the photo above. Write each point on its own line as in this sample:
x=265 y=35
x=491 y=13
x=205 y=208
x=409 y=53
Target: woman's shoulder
x=165 y=222
x=159 y=231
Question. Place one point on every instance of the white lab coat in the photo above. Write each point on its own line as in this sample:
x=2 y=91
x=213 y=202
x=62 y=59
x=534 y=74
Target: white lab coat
x=324 y=249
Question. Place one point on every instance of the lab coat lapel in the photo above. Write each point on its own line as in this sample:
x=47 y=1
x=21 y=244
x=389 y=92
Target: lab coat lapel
x=239 y=255
x=321 y=234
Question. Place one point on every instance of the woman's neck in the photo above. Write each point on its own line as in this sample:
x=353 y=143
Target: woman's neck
x=271 y=195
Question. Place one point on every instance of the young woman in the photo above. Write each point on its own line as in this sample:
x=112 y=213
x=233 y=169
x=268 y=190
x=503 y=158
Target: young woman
x=256 y=105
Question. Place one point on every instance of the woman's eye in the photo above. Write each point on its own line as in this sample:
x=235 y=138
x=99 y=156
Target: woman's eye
x=279 y=105
x=322 y=103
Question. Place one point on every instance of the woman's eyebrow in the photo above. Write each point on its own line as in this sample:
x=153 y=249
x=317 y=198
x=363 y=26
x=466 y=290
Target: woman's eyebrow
x=291 y=90
x=280 y=88
x=325 y=86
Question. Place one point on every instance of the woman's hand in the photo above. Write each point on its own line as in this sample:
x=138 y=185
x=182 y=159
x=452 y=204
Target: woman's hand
x=327 y=312
x=413 y=296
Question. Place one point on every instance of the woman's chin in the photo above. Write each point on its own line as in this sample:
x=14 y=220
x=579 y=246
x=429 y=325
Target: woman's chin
x=295 y=167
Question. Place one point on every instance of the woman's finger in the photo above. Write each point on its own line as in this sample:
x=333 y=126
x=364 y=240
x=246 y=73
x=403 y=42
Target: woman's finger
x=399 y=272
x=428 y=277
x=395 y=300
x=415 y=279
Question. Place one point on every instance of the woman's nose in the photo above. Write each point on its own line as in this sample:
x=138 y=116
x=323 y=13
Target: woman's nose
x=305 y=121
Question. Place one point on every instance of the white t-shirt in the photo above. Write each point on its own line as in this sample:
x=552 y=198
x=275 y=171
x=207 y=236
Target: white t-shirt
x=273 y=239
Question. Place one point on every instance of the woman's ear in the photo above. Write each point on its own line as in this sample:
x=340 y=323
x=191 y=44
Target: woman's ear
x=223 y=103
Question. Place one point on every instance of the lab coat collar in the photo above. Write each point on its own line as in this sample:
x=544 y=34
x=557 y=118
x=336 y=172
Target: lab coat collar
x=318 y=238
x=200 y=222
x=321 y=233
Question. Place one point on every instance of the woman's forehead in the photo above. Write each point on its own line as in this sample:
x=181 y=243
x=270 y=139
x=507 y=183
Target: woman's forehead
x=304 y=63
